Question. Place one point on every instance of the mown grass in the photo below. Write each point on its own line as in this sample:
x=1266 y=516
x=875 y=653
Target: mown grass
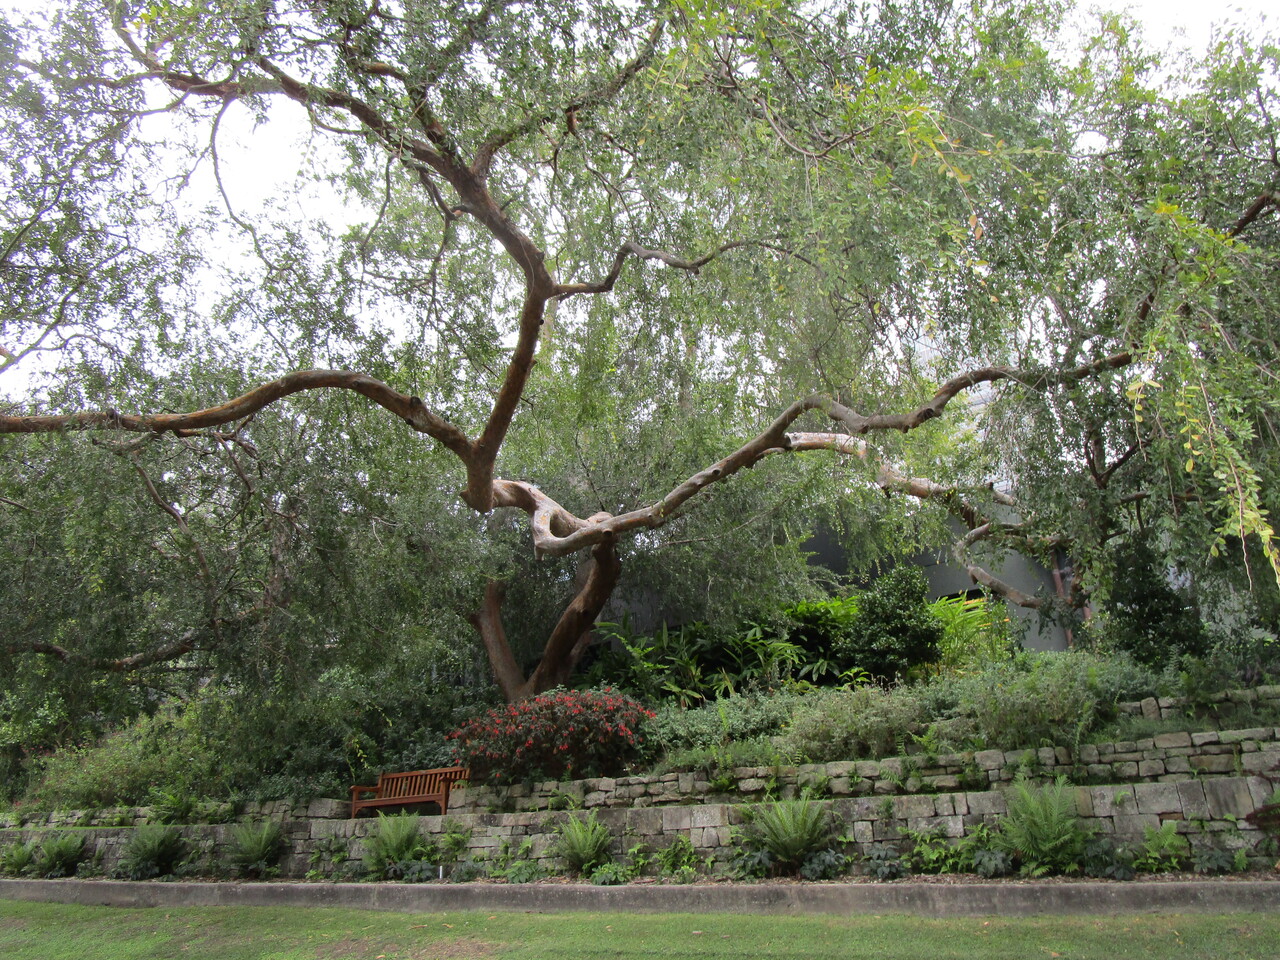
x=53 y=932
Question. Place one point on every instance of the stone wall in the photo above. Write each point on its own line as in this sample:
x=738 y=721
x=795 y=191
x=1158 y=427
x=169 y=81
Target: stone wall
x=1165 y=758
x=1207 y=812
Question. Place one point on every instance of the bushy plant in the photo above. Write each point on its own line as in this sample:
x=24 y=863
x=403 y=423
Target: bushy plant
x=172 y=806
x=396 y=840
x=153 y=851
x=1042 y=829
x=847 y=724
x=894 y=629
x=18 y=859
x=1163 y=849
x=974 y=630
x=729 y=720
x=790 y=831
x=677 y=858
x=559 y=734
x=1038 y=698
x=583 y=843
x=1146 y=617
x=59 y=855
x=256 y=848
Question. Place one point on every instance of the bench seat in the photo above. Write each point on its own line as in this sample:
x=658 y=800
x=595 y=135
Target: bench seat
x=407 y=789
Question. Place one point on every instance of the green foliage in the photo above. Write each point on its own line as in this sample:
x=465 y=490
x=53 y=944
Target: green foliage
x=153 y=851
x=1146 y=617
x=559 y=734
x=396 y=840
x=884 y=862
x=169 y=806
x=678 y=860
x=582 y=844
x=975 y=630
x=893 y=631
x=18 y=859
x=849 y=724
x=256 y=848
x=1163 y=849
x=59 y=855
x=1042 y=829
x=790 y=831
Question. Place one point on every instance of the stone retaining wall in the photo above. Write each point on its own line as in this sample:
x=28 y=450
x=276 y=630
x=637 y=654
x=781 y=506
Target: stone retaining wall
x=1165 y=758
x=1207 y=811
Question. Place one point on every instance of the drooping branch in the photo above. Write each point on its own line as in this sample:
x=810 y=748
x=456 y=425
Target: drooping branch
x=409 y=409
x=632 y=249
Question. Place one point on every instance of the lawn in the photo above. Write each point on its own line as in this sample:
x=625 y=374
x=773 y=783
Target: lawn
x=37 y=931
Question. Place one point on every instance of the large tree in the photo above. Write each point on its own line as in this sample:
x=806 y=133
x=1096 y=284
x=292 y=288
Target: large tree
x=605 y=259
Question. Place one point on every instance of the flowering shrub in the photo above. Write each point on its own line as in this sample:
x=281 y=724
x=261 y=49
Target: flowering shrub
x=562 y=733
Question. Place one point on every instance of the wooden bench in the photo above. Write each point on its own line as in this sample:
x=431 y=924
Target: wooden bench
x=405 y=789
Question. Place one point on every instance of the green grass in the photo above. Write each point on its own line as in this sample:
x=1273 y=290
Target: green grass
x=37 y=931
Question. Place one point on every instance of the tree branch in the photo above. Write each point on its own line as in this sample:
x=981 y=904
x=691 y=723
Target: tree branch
x=409 y=409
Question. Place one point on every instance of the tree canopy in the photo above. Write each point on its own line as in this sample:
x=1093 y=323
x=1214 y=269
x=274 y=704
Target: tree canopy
x=569 y=299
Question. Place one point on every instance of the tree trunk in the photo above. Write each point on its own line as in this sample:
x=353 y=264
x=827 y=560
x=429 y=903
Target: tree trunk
x=568 y=641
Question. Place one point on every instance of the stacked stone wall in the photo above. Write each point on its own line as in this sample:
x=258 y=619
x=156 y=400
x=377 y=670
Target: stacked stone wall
x=1209 y=812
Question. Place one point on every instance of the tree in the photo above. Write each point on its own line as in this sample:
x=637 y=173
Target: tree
x=609 y=259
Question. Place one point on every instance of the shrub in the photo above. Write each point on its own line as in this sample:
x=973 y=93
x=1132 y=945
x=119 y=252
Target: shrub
x=18 y=859
x=153 y=851
x=256 y=848
x=583 y=844
x=848 y=724
x=1042 y=829
x=395 y=841
x=1038 y=698
x=1147 y=618
x=172 y=806
x=677 y=858
x=974 y=630
x=894 y=629
x=729 y=720
x=790 y=832
x=559 y=734
x=59 y=855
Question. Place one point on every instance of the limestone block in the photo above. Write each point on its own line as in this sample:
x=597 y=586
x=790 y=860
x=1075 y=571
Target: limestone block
x=1219 y=763
x=1260 y=788
x=1165 y=740
x=914 y=806
x=1238 y=736
x=677 y=819
x=1191 y=795
x=1228 y=796
x=862 y=832
x=1088 y=753
x=1158 y=798
x=867 y=769
x=839 y=768
x=1124 y=771
x=1151 y=708
x=1110 y=801
x=1151 y=768
x=1177 y=765
x=751 y=785
x=944 y=804
x=1207 y=737
x=712 y=815
x=1134 y=824
x=986 y=802
x=1047 y=756
x=1084 y=802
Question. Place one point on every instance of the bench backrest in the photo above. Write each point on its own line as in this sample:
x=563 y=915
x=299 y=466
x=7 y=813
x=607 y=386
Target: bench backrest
x=418 y=783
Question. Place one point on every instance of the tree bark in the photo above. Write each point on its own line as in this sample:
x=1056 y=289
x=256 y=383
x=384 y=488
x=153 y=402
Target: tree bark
x=488 y=623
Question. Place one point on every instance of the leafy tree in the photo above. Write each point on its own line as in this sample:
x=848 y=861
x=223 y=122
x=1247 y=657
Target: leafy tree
x=614 y=261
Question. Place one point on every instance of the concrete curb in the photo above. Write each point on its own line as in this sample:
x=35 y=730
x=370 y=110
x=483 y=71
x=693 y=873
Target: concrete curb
x=921 y=899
